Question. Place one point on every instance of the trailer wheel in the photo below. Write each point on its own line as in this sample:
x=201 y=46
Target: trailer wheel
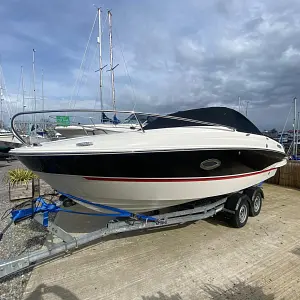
x=256 y=198
x=66 y=202
x=241 y=210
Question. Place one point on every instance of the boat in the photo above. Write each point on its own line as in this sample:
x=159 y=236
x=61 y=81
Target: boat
x=8 y=141
x=174 y=159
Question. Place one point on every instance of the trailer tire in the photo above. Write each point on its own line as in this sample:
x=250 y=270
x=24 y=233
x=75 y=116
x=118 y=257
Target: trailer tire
x=66 y=202
x=239 y=204
x=256 y=198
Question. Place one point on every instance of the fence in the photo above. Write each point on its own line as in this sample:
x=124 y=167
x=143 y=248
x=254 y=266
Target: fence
x=289 y=175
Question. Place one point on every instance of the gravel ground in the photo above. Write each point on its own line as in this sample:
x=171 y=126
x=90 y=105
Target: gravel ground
x=19 y=238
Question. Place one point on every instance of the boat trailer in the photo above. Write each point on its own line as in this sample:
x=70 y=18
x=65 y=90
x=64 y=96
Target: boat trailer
x=237 y=207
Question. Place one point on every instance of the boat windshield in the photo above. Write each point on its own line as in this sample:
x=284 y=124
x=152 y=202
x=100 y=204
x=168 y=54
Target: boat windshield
x=132 y=119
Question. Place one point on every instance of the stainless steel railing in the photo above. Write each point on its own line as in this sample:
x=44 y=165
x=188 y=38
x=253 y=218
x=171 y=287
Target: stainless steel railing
x=18 y=136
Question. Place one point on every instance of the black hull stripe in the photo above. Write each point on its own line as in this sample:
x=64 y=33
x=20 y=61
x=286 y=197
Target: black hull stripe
x=176 y=179
x=155 y=165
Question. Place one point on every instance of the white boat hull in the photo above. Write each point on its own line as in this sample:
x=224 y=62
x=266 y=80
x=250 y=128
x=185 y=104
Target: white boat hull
x=8 y=141
x=140 y=195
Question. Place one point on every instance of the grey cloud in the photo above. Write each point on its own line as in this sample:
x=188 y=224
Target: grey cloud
x=179 y=54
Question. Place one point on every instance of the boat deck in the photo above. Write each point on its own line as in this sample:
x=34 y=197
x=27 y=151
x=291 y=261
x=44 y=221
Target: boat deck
x=204 y=260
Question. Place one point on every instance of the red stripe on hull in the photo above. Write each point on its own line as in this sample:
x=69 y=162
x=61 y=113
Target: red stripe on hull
x=176 y=179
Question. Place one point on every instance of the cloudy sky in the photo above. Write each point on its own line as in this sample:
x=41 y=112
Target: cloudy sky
x=178 y=54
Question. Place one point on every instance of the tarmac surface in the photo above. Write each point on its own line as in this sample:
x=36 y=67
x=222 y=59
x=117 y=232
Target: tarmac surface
x=204 y=260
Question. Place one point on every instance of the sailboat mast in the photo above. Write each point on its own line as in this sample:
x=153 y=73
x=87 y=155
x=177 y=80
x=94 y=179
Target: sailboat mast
x=1 y=103
x=43 y=99
x=23 y=95
x=297 y=139
x=100 y=56
x=295 y=117
x=34 y=91
x=111 y=62
x=247 y=103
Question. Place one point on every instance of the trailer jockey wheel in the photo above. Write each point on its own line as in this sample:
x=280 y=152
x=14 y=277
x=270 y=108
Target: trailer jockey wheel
x=239 y=205
x=66 y=202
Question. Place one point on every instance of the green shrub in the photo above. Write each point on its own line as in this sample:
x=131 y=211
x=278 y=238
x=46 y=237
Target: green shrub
x=19 y=176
